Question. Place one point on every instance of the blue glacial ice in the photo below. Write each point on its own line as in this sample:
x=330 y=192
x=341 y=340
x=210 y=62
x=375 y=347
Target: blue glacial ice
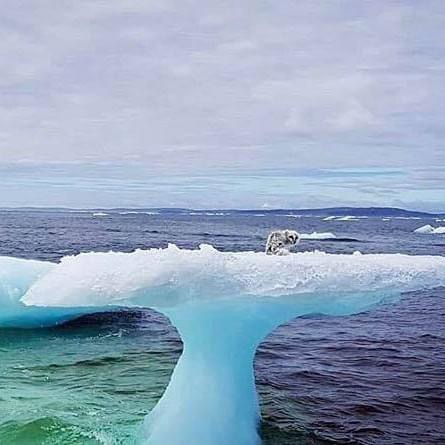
x=223 y=305
x=16 y=277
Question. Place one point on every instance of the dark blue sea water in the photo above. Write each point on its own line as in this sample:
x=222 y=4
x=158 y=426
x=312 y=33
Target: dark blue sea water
x=372 y=378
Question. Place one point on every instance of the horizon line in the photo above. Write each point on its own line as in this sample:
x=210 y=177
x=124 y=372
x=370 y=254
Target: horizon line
x=441 y=212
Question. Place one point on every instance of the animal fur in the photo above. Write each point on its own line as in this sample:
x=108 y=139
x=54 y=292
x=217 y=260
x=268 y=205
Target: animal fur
x=280 y=242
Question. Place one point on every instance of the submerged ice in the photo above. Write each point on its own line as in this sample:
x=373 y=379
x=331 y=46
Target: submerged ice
x=223 y=304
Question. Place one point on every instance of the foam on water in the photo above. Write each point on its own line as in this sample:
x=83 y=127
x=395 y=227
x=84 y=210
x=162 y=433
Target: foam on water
x=223 y=304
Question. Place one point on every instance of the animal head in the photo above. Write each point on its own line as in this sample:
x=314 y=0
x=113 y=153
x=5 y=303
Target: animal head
x=292 y=236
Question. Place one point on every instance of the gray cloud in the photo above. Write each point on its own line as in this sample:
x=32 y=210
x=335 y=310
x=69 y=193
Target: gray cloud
x=192 y=84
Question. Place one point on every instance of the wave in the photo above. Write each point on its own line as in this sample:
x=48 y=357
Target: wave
x=100 y=214
x=430 y=230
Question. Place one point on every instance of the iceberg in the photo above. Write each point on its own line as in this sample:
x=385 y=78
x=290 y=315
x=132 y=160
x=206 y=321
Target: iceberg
x=16 y=277
x=318 y=235
x=429 y=229
x=348 y=218
x=223 y=304
x=343 y=218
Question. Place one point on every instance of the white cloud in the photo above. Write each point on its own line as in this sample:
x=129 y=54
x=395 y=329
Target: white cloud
x=187 y=86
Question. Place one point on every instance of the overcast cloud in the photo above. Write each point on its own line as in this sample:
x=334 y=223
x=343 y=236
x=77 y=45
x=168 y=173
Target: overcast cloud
x=271 y=94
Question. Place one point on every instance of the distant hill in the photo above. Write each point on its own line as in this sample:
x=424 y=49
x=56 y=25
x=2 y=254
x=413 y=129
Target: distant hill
x=328 y=211
x=354 y=211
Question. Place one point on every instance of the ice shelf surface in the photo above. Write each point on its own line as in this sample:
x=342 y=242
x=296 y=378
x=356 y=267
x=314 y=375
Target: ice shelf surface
x=223 y=304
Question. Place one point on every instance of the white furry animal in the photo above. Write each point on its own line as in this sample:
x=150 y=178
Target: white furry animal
x=280 y=242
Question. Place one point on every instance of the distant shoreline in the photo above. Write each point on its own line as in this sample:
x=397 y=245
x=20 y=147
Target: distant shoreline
x=327 y=211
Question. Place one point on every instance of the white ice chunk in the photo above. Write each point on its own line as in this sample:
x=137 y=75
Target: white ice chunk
x=429 y=229
x=317 y=235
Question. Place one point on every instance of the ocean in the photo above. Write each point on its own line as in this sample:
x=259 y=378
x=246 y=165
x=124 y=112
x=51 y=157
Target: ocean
x=372 y=378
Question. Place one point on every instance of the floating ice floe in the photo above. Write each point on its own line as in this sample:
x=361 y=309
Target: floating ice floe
x=317 y=235
x=134 y=212
x=168 y=277
x=343 y=218
x=208 y=214
x=430 y=230
x=348 y=218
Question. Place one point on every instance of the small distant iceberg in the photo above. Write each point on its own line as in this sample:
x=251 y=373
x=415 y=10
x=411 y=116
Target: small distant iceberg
x=208 y=214
x=134 y=212
x=318 y=235
x=348 y=218
x=100 y=214
x=430 y=230
x=343 y=218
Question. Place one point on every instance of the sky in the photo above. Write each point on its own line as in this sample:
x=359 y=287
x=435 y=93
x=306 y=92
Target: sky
x=222 y=104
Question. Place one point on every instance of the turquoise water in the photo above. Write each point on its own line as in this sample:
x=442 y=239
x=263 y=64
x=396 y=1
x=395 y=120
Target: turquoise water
x=84 y=383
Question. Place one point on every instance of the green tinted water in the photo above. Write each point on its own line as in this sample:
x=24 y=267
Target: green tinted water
x=86 y=383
